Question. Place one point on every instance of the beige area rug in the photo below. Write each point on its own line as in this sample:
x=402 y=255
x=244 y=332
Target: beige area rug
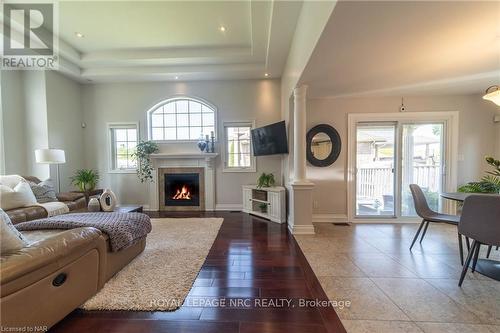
x=160 y=278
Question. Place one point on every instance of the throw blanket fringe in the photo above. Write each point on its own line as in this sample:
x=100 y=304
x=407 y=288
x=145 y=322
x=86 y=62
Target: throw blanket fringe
x=54 y=208
x=123 y=229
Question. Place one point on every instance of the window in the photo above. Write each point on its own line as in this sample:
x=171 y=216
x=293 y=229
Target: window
x=238 y=148
x=181 y=119
x=123 y=141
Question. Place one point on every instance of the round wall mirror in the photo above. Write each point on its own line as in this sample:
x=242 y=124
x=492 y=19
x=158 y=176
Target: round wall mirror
x=323 y=145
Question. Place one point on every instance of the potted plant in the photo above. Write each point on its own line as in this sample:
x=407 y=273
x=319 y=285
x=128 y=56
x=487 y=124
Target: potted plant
x=263 y=207
x=85 y=179
x=266 y=180
x=490 y=183
x=142 y=154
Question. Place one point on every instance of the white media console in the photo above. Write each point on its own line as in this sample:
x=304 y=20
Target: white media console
x=266 y=202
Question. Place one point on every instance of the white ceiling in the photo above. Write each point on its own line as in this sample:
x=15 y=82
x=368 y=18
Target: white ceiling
x=162 y=40
x=403 y=47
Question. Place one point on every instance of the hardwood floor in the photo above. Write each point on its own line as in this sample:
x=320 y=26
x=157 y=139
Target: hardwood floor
x=251 y=262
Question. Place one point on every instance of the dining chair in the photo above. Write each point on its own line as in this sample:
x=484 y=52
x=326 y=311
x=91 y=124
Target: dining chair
x=428 y=215
x=480 y=221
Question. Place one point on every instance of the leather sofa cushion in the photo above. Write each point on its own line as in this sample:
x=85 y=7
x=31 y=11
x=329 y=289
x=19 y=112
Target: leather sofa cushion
x=46 y=252
x=69 y=196
x=24 y=214
x=30 y=213
x=42 y=304
x=76 y=204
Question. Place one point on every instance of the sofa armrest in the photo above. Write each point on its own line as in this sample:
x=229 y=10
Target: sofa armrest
x=48 y=252
x=69 y=196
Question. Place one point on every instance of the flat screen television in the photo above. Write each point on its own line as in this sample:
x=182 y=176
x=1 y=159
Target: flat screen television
x=270 y=139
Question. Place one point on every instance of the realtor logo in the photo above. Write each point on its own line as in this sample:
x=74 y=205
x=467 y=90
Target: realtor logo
x=29 y=35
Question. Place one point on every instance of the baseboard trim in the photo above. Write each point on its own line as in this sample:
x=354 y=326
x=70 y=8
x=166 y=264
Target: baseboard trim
x=329 y=218
x=146 y=208
x=301 y=229
x=225 y=207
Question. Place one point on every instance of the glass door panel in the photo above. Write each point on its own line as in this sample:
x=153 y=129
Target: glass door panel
x=375 y=166
x=421 y=164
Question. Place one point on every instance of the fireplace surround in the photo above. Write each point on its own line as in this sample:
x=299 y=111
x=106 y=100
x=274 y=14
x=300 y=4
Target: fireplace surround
x=188 y=158
x=181 y=189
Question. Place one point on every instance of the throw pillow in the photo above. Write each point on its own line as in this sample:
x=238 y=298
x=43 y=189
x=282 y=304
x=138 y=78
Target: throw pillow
x=44 y=191
x=19 y=196
x=10 y=238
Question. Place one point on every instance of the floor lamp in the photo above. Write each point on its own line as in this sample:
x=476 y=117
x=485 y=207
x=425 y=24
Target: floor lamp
x=51 y=156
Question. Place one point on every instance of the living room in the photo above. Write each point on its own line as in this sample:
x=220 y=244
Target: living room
x=211 y=166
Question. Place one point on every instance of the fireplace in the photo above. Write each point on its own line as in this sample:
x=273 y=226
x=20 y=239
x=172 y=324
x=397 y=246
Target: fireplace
x=181 y=189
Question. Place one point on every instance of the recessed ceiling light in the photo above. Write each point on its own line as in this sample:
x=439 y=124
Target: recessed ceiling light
x=222 y=28
x=79 y=35
x=177 y=78
x=266 y=74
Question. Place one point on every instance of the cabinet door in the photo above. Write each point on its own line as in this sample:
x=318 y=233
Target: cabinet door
x=247 y=196
x=274 y=205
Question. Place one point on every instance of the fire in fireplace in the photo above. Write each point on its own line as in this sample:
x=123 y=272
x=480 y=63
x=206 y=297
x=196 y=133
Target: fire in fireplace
x=183 y=194
x=182 y=189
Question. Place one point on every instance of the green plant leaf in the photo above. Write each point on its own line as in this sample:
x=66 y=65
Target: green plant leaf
x=85 y=179
x=144 y=168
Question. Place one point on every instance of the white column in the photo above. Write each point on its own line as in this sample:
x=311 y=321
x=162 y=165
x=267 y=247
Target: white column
x=300 y=217
x=299 y=134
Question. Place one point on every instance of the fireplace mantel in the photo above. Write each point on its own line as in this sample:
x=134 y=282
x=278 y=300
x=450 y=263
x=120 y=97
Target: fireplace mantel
x=183 y=155
x=184 y=160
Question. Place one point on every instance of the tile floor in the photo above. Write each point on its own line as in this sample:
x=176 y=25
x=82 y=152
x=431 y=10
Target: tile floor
x=394 y=290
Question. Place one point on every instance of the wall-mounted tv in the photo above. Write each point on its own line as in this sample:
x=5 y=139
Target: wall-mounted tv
x=270 y=139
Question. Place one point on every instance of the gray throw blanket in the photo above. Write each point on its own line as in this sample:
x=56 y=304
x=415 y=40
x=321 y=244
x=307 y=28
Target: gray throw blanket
x=123 y=229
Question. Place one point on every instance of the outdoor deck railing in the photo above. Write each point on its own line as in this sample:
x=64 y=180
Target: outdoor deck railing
x=375 y=182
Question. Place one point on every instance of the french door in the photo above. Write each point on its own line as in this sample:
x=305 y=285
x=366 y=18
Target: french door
x=389 y=156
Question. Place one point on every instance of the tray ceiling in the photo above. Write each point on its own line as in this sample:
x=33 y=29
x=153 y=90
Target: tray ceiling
x=175 y=40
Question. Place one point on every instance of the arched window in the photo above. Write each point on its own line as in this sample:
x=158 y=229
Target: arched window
x=181 y=119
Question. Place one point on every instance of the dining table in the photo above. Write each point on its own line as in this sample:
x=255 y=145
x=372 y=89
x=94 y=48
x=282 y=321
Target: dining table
x=487 y=267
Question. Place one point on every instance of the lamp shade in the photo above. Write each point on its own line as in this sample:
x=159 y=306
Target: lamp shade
x=50 y=156
x=493 y=95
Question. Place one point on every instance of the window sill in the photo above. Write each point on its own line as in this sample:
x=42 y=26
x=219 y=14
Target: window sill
x=239 y=170
x=128 y=171
x=178 y=141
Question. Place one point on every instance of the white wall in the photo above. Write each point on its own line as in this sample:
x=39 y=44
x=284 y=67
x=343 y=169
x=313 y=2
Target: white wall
x=241 y=100
x=477 y=138
x=36 y=127
x=64 y=119
x=13 y=122
x=41 y=109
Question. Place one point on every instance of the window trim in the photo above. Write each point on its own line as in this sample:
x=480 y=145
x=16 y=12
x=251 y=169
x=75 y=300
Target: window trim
x=109 y=127
x=173 y=99
x=253 y=160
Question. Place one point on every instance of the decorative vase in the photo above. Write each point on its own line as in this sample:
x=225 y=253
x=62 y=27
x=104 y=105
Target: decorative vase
x=94 y=205
x=108 y=200
x=202 y=144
